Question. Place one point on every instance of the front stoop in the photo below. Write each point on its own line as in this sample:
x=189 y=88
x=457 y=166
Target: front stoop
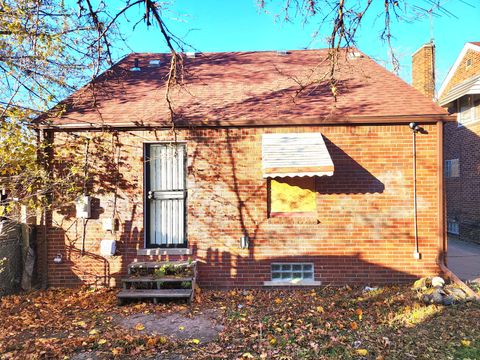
x=144 y=283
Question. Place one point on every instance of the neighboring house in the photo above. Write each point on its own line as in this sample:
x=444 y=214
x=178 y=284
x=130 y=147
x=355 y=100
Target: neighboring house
x=263 y=184
x=460 y=93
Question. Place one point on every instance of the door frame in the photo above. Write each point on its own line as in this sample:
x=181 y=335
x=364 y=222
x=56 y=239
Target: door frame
x=146 y=184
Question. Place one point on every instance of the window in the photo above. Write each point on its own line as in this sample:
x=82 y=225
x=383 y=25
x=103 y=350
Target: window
x=452 y=168
x=468 y=109
x=292 y=271
x=453 y=227
x=292 y=196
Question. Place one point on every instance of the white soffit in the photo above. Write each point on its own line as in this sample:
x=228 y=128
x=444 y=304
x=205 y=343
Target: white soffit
x=290 y=155
x=470 y=86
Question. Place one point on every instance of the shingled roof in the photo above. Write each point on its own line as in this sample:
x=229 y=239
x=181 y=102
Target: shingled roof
x=247 y=89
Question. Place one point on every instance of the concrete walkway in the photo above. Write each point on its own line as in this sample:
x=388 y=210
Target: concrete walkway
x=464 y=259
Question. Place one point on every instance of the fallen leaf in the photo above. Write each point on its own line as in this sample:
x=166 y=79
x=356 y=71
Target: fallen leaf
x=465 y=342
x=249 y=297
x=93 y=332
x=181 y=328
x=320 y=309
x=116 y=351
x=278 y=301
x=353 y=325
x=139 y=327
x=247 y=355
x=195 y=341
x=102 y=341
x=359 y=312
x=362 y=352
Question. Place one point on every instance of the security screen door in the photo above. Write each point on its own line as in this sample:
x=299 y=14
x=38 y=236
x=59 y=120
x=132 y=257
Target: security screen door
x=166 y=195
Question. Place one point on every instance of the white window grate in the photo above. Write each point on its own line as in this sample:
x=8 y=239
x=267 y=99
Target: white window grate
x=452 y=168
x=292 y=271
x=453 y=227
x=166 y=195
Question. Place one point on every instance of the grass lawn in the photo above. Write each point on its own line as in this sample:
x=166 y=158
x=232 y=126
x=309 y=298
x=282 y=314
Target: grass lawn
x=325 y=323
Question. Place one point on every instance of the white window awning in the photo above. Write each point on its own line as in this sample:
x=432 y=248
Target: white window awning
x=289 y=155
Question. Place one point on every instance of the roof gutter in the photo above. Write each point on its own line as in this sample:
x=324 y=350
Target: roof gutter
x=329 y=120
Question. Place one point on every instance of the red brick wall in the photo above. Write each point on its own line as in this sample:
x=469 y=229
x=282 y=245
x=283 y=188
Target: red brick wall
x=463 y=143
x=362 y=232
x=462 y=193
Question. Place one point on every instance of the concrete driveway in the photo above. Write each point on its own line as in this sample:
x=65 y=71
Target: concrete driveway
x=464 y=259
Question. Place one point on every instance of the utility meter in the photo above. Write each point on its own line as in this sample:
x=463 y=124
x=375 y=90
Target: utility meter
x=83 y=206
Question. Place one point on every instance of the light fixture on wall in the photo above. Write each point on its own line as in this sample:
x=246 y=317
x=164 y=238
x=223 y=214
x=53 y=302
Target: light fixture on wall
x=58 y=259
x=415 y=127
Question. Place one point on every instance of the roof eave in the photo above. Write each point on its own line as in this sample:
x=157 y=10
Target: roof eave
x=334 y=120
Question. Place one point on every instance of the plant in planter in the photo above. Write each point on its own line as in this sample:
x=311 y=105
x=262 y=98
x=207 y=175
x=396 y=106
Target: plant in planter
x=173 y=270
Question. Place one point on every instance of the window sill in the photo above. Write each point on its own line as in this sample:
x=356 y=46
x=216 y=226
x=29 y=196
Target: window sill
x=165 y=251
x=293 y=220
x=292 y=283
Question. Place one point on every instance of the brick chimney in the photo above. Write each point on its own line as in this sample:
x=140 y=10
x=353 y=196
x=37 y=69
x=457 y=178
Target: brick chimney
x=423 y=70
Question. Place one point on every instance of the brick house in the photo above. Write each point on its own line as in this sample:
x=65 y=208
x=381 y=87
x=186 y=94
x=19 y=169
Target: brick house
x=263 y=184
x=460 y=93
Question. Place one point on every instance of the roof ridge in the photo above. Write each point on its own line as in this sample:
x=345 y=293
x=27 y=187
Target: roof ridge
x=244 y=51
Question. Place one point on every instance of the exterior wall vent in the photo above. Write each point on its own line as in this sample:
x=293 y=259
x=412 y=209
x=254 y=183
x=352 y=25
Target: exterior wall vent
x=154 y=63
x=135 y=67
x=282 y=52
x=191 y=54
x=355 y=55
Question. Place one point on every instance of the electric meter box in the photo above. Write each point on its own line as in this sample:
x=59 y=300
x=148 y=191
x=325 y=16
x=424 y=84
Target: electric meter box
x=108 y=247
x=84 y=207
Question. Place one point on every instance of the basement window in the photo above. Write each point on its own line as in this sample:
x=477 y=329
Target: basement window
x=453 y=227
x=452 y=168
x=292 y=271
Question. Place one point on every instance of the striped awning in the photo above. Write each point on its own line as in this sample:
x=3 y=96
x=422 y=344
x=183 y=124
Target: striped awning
x=470 y=86
x=289 y=155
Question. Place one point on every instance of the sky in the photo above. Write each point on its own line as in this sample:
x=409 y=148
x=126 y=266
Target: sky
x=240 y=25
